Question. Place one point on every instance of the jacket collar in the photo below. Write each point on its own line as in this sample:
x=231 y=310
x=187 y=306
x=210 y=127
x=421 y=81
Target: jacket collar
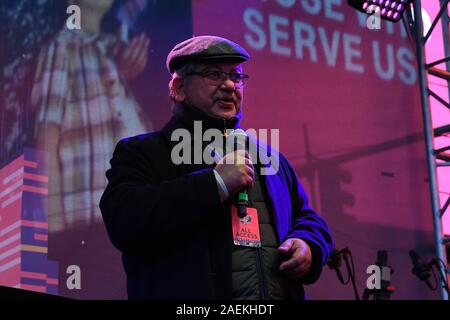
x=184 y=115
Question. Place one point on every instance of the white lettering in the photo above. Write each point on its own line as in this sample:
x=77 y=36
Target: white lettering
x=330 y=51
x=408 y=75
x=374 y=280
x=389 y=72
x=276 y=34
x=304 y=37
x=312 y=6
x=329 y=13
x=252 y=19
x=286 y=3
x=74 y=280
x=74 y=21
x=350 y=53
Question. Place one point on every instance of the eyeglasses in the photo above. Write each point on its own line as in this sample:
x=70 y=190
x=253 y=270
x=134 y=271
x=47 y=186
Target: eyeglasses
x=217 y=77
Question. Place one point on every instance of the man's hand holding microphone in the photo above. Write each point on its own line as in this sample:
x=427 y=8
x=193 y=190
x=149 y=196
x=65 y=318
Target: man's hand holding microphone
x=237 y=172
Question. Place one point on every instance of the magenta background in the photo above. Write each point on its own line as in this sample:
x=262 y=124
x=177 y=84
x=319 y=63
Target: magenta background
x=355 y=139
x=440 y=114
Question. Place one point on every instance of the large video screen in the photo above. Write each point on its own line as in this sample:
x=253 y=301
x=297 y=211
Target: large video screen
x=342 y=93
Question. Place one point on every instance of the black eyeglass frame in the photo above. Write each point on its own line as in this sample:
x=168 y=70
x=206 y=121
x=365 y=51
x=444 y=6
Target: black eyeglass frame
x=218 y=76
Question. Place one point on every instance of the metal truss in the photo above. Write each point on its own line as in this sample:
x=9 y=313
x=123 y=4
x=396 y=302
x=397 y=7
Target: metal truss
x=436 y=158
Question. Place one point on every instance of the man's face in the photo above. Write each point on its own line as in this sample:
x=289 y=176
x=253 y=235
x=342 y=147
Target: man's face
x=222 y=99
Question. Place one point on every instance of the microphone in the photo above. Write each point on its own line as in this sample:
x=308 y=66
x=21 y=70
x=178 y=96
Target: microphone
x=240 y=138
x=420 y=268
x=334 y=262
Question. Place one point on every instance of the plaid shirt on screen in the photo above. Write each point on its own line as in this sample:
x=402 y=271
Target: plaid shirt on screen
x=79 y=89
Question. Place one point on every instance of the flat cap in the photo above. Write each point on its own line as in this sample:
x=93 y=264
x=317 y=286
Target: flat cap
x=204 y=48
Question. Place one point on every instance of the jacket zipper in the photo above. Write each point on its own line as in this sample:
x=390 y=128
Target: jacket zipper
x=259 y=268
x=224 y=129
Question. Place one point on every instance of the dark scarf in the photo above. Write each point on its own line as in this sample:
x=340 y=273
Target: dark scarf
x=184 y=115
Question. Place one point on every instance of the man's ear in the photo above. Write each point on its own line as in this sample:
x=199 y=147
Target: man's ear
x=178 y=90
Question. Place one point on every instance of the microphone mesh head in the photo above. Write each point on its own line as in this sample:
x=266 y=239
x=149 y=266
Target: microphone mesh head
x=238 y=132
x=238 y=138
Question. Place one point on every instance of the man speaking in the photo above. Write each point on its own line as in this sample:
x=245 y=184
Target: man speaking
x=177 y=224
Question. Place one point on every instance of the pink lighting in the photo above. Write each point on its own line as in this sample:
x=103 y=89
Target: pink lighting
x=440 y=115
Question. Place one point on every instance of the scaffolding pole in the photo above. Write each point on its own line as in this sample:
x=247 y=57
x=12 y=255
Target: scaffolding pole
x=431 y=153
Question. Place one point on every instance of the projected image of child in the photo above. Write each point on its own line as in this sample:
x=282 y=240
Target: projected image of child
x=83 y=105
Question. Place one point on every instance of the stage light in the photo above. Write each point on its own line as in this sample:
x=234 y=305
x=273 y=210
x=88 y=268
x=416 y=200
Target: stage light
x=391 y=10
